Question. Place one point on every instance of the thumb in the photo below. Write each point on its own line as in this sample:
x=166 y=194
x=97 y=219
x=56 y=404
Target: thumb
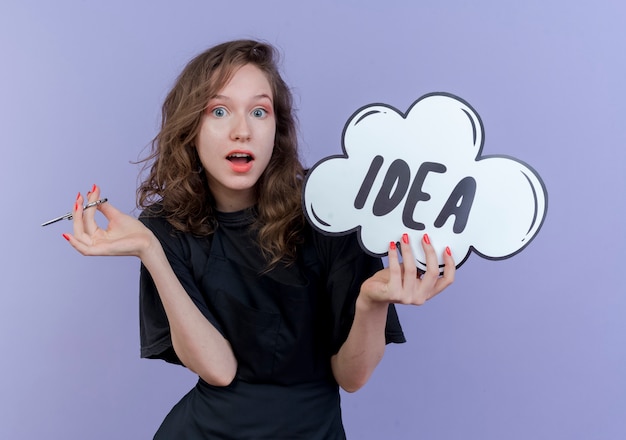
x=109 y=211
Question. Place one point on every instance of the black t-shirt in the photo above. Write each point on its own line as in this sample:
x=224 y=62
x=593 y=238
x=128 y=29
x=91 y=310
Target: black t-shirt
x=283 y=324
x=326 y=280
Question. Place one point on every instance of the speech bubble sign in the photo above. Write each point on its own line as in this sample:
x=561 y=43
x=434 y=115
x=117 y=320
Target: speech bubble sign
x=422 y=172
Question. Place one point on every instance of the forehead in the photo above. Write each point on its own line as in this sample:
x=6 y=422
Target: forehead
x=246 y=78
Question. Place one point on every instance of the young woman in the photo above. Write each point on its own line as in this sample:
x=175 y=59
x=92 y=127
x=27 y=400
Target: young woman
x=235 y=286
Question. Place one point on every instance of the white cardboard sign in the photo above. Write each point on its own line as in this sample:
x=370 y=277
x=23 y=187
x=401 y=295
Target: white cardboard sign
x=422 y=172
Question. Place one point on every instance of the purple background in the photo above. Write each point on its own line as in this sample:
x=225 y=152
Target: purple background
x=529 y=347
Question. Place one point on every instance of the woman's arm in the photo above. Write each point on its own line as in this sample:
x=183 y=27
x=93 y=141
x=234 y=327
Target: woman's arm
x=364 y=348
x=400 y=284
x=197 y=343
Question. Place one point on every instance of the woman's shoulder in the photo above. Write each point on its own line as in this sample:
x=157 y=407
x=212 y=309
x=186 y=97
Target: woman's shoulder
x=153 y=215
x=345 y=247
x=175 y=242
x=154 y=218
x=153 y=210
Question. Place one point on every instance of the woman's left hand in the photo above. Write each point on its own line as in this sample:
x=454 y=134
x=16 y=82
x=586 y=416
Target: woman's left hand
x=401 y=283
x=398 y=283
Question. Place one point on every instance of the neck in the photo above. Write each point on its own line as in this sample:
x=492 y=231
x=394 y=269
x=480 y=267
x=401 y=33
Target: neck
x=234 y=203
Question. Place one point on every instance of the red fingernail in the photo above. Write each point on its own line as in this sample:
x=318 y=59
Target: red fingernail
x=93 y=188
x=78 y=196
x=76 y=206
x=405 y=238
x=448 y=251
x=67 y=237
x=426 y=239
x=392 y=245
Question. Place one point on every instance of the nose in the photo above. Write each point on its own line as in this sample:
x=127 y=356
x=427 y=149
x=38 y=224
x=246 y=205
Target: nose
x=241 y=129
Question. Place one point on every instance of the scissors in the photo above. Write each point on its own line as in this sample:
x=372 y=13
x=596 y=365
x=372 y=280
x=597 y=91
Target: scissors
x=69 y=215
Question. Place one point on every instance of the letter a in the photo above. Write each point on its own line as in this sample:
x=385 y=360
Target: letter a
x=458 y=204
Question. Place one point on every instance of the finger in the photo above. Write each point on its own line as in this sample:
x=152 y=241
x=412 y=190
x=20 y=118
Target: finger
x=81 y=246
x=432 y=263
x=89 y=222
x=80 y=239
x=394 y=283
x=410 y=268
x=93 y=194
x=109 y=211
x=70 y=238
x=77 y=216
x=449 y=270
x=394 y=263
x=76 y=244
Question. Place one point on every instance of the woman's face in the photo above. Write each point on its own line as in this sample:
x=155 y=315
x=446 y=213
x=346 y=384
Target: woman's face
x=236 y=138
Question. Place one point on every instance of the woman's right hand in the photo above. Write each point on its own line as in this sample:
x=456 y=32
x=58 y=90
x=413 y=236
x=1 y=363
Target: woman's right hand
x=124 y=235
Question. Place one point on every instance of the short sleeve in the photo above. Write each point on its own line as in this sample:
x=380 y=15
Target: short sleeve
x=155 y=337
x=347 y=267
x=154 y=330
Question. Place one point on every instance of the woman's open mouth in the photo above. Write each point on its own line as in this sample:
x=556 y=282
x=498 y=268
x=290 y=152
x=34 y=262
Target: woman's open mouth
x=239 y=158
x=240 y=162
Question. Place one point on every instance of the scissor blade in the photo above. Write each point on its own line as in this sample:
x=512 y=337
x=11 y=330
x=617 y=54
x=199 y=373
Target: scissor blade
x=69 y=215
x=58 y=219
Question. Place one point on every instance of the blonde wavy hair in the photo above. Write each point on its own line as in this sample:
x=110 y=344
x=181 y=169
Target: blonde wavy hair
x=176 y=181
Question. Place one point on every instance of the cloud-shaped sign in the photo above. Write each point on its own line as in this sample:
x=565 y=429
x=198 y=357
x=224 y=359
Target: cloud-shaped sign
x=422 y=172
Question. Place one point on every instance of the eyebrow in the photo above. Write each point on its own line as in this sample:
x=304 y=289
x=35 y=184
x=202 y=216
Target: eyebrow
x=255 y=97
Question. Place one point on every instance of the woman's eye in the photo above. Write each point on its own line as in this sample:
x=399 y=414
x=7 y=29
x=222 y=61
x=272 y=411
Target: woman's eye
x=259 y=112
x=219 y=112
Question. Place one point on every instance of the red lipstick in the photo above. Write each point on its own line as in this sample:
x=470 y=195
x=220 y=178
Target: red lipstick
x=240 y=160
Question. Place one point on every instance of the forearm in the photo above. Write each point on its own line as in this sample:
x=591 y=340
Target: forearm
x=197 y=343
x=364 y=348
